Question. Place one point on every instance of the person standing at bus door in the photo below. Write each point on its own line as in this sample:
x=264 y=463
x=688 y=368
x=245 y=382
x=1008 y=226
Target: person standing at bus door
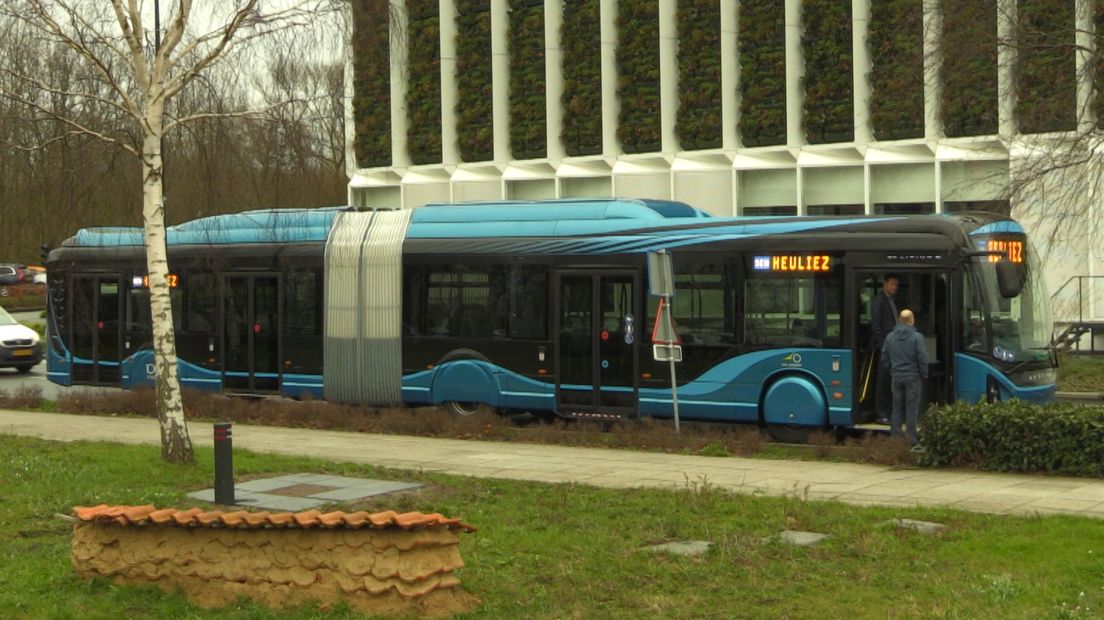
x=882 y=321
x=906 y=357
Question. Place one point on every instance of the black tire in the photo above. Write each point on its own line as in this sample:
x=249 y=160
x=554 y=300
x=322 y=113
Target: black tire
x=465 y=409
x=24 y=369
x=790 y=433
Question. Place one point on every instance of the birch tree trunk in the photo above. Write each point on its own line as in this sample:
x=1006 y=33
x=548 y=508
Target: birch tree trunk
x=176 y=445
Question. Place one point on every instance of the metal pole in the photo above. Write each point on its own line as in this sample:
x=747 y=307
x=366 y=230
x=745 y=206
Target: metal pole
x=671 y=361
x=224 y=464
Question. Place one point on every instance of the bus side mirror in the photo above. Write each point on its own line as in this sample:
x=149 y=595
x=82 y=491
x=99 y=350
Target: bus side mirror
x=1009 y=279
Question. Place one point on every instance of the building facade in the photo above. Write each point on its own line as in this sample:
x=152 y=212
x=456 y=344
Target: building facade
x=741 y=107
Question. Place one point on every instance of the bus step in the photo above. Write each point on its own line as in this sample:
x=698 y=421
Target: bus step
x=593 y=415
x=873 y=427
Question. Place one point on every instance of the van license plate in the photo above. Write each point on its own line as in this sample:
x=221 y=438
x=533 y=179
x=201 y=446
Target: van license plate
x=23 y=352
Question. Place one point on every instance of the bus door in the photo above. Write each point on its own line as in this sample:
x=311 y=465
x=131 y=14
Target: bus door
x=250 y=310
x=928 y=293
x=598 y=323
x=96 y=335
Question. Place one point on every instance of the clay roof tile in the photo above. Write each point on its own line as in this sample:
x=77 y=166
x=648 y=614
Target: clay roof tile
x=307 y=518
x=193 y=517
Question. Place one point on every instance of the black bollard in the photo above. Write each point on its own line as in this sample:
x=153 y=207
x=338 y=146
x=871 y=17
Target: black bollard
x=224 y=464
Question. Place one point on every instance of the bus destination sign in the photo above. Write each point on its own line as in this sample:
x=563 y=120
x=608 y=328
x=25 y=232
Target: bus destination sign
x=1012 y=249
x=792 y=262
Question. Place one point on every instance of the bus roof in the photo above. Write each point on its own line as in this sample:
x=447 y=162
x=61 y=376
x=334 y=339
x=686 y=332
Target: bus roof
x=659 y=223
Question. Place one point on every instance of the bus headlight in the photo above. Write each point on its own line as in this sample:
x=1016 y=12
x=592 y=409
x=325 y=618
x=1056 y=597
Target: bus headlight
x=1045 y=376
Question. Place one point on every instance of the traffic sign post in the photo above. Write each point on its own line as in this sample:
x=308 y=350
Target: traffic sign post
x=666 y=346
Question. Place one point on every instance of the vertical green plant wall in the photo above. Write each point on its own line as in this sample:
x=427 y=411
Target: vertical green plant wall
x=1046 y=83
x=638 y=127
x=1098 y=65
x=528 y=111
x=829 y=80
x=896 y=41
x=371 y=84
x=762 y=43
x=581 y=40
x=474 y=100
x=423 y=83
x=698 y=124
x=969 y=67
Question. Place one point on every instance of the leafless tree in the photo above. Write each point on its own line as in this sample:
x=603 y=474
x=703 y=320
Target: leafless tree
x=120 y=72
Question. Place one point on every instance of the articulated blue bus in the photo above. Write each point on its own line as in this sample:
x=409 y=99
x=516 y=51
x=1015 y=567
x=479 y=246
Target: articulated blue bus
x=543 y=306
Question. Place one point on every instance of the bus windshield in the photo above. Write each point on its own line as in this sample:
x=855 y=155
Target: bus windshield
x=1021 y=325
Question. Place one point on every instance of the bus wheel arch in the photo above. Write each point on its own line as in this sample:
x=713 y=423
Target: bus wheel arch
x=792 y=405
x=463 y=386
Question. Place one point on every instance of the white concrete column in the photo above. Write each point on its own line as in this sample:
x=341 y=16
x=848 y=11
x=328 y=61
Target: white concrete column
x=553 y=78
x=400 y=157
x=795 y=71
x=1085 y=41
x=860 y=24
x=938 y=186
x=668 y=76
x=351 y=164
x=500 y=78
x=868 y=204
x=611 y=106
x=933 y=65
x=450 y=147
x=730 y=76
x=1006 y=64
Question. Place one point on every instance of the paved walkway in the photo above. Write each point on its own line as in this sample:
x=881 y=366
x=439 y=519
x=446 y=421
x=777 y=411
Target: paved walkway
x=846 y=482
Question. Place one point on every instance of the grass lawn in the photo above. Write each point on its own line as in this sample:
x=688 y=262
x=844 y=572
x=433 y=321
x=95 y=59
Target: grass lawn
x=1081 y=373
x=569 y=551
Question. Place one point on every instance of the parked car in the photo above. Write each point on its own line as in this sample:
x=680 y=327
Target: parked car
x=11 y=274
x=20 y=347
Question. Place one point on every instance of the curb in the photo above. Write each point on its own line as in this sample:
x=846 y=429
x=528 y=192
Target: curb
x=1080 y=395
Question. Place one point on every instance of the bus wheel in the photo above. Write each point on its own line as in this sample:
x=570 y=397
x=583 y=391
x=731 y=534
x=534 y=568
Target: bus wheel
x=465 y=409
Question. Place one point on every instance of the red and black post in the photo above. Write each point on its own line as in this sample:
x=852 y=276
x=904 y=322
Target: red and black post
x=224 y=463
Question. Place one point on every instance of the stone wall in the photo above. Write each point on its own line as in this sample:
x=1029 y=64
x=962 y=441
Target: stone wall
x=375 y=571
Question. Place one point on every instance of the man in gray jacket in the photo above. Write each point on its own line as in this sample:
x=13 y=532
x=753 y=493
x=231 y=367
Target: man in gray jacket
x=906 y=357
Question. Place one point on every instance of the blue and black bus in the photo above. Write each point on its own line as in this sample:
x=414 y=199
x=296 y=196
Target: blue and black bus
x=544 y=307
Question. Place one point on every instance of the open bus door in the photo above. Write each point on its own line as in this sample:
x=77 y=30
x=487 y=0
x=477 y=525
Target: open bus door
x=929 y=293
x=96 y=334
x=597 y=327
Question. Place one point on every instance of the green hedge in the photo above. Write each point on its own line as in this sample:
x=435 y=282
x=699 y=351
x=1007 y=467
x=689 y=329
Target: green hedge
x=1060 y=438
x=698 y=125
x=638 y=126
x=762 y=42
x=1045 y=70
x=829 y=76
x=474 y=99
x=969 y=67
x=581 y=40
x=896 y=41
x=423 y=84
x=22 y=296
x=528 y=110
x=371 y=83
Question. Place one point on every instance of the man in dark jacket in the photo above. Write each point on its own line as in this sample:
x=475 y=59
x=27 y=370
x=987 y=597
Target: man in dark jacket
x=882 y=321
x=906 y=357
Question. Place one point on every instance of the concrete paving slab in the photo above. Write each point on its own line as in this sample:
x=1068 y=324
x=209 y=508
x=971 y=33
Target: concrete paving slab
x=922 y=527
x=361 y=492
x=683 y=547
x=801 y=539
